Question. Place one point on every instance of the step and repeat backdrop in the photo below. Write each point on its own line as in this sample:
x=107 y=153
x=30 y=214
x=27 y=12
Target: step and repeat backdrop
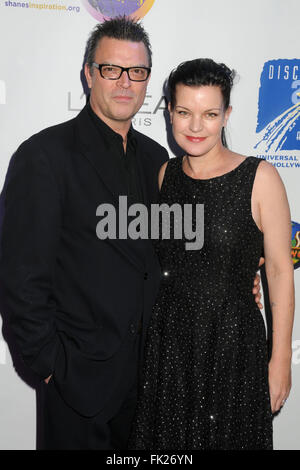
x=41 y=84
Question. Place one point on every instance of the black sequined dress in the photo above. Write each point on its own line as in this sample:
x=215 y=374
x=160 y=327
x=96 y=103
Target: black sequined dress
x=205 y=377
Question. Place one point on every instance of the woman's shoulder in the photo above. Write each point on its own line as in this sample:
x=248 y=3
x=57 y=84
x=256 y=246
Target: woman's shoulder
x=266 y=171
x=268 y=182
x=171 y=165
x=161 y=174
x=264 y=168
x=233 y=160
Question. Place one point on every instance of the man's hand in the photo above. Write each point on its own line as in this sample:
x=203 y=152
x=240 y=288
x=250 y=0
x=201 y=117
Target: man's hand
x=48 y=378
x=256 y=286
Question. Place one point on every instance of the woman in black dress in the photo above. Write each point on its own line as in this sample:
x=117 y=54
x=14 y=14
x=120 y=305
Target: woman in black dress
x=206 y=381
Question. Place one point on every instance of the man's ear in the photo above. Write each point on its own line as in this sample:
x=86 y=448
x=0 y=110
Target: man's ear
x=88 y=76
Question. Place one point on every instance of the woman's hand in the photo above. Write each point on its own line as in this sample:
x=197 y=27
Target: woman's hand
x=256 y=286
x=279 y=381
x=256 y=291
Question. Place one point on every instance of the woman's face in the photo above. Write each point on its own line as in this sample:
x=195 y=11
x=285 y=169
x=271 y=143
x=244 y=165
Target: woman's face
x=198 y=118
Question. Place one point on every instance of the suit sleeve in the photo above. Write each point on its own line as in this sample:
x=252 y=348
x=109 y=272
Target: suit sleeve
x=164 y=156
x=30 y=236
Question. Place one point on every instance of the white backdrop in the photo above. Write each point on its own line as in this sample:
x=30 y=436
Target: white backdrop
x=40 y=69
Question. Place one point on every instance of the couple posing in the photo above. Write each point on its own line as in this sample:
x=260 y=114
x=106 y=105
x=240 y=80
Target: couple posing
x=82 y=308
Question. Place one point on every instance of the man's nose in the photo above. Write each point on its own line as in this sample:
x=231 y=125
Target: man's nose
x=124 y=79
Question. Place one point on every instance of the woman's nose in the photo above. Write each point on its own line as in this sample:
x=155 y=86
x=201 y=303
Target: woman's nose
x=196 y=124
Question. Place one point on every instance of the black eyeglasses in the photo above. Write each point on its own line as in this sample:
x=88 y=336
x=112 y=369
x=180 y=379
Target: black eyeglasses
x=114 y=72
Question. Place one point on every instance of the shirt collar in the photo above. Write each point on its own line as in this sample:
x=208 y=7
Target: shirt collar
x=108 y=131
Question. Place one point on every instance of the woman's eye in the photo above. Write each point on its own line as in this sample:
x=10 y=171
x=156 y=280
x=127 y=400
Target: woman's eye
x=212 y=115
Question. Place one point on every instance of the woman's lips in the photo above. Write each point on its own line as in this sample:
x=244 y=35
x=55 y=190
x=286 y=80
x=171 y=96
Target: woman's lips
x=195 y=139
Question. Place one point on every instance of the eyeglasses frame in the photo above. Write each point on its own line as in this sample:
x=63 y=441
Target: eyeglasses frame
x=123 y=69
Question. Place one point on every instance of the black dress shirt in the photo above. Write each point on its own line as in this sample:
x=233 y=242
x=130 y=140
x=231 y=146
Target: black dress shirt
x=125 y=161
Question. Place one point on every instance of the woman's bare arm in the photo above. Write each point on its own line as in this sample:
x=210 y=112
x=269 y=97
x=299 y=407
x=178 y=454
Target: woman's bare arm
x=275 y=222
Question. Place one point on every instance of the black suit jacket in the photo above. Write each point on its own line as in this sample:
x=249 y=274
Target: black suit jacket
x=71 y=296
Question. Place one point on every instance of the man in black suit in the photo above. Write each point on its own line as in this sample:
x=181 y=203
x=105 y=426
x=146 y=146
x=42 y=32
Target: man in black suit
x=79 y=306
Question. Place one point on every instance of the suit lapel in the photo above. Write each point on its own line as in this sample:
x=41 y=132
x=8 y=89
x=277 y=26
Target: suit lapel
x=145 y=173
x=95 y=148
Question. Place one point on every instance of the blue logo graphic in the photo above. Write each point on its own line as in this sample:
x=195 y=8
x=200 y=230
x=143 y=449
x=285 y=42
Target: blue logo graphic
x=278 y=120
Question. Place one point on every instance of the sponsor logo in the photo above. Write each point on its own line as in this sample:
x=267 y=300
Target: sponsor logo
x=296 y=244
x=106 y=9
x=278 y=119
x=41 y=6
x=152 y=107
x=2 y=92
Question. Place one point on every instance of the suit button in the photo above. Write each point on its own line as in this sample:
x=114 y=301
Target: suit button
x=132 y=328
x=145 y=276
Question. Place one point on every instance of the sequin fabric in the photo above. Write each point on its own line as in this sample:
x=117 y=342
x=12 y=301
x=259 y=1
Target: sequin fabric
x=204 y=382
